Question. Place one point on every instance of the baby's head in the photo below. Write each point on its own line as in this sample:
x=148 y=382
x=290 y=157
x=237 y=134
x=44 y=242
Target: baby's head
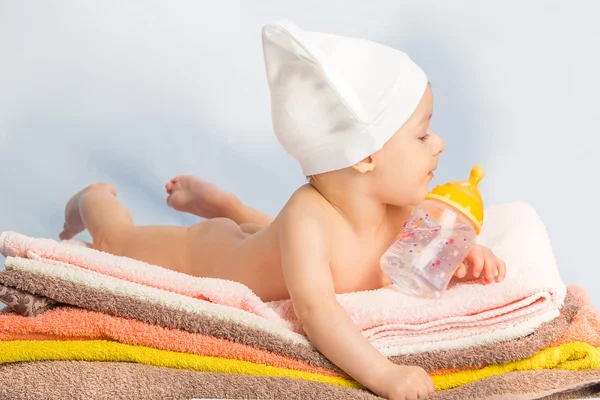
x=352 y=110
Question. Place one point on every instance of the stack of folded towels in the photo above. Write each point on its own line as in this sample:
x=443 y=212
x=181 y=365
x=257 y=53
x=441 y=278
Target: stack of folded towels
x=80 y=323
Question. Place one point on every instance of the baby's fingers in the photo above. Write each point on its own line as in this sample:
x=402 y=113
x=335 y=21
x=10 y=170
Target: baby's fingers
x=501 y=271
x=490 y=267
x=461 y=271
x=477 y=260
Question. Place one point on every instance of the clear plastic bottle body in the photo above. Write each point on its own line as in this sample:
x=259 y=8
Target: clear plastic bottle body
x=435 y=239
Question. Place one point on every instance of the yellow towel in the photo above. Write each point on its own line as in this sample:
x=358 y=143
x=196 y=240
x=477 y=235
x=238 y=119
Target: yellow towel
x=569 y=356
x=102 y=350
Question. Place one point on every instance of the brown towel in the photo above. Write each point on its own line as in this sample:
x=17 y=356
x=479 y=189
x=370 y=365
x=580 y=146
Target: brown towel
x=71 y=380
x=542 y=384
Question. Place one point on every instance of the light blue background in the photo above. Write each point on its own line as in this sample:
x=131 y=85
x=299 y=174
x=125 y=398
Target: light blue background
x=136 y=92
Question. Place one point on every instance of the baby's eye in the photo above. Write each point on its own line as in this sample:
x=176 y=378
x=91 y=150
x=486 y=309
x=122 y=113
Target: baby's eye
x=424 y=137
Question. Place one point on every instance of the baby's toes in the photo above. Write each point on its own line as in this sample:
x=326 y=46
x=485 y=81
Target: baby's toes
x=170 y=200
x=178 y=200
x=169 y=186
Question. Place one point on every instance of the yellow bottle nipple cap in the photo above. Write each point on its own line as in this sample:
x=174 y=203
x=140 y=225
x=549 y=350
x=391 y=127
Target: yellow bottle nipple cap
x=464 y=196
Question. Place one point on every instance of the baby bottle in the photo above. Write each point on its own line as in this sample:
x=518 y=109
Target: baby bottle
x=436 y=238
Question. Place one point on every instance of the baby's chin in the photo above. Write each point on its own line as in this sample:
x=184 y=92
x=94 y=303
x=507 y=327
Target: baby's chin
x=415 y=201
x=421 y=193
x=408 y=198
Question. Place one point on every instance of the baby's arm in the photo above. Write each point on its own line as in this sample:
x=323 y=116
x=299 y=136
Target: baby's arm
x=306 y=247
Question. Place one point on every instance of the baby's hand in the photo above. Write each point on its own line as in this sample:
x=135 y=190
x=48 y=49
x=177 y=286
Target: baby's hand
x=401 y=382
x=481 y=264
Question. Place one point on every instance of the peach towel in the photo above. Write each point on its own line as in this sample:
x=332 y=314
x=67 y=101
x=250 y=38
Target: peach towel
x=77 y=324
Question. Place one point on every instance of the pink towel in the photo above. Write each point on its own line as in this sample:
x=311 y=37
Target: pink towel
x=218 y=291
x=531 y=294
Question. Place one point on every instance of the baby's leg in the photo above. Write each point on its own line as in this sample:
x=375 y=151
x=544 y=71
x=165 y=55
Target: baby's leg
x=97 y=209
x=188 y=193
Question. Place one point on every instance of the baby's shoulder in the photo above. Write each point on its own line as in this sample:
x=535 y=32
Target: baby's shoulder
x=307 y=204
x=305 y=222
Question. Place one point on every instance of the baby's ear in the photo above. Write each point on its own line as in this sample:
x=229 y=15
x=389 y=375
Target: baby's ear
x=364 y=166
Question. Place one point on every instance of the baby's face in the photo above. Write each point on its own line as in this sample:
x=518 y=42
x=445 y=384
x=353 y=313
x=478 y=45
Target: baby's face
x=404 y=166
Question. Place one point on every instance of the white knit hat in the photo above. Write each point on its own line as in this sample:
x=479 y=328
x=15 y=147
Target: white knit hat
x=336 y=100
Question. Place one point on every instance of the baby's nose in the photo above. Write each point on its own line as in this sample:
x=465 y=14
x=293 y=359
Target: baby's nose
x=440 y=145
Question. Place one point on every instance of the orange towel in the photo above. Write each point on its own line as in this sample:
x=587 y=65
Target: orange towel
x=79 y=324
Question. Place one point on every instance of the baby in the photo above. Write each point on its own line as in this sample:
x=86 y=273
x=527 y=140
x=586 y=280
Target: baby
x=356 y=115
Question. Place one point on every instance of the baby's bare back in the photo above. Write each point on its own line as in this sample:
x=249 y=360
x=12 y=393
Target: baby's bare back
x=256 y=260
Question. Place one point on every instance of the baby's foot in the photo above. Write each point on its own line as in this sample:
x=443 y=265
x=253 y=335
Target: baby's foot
x=73 y=222
x=193 y=195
